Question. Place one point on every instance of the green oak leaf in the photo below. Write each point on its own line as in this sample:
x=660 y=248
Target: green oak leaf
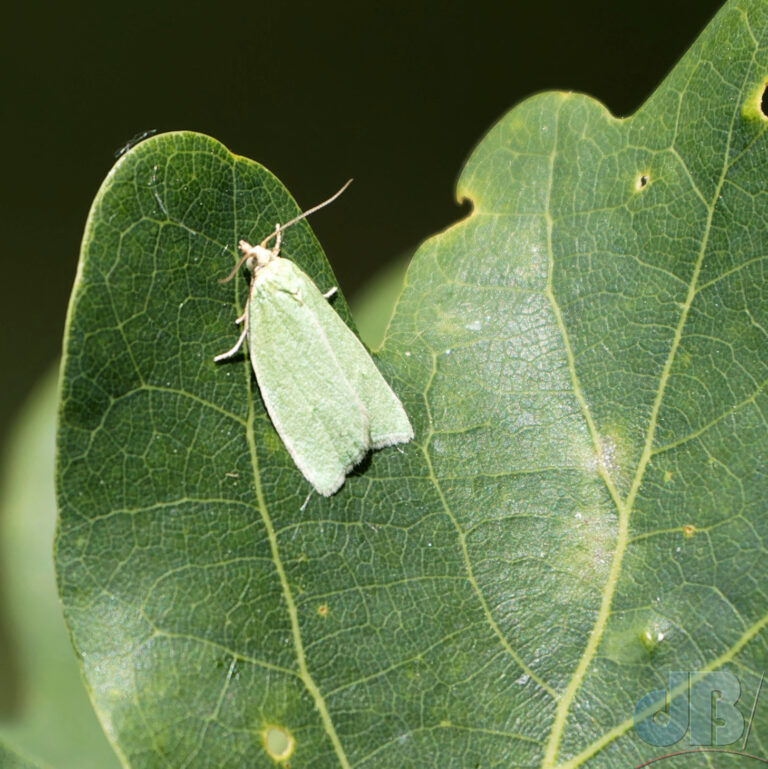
x=581 y=513
x=372 y=306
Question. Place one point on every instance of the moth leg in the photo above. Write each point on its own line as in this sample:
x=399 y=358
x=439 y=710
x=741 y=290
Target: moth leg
x=278 y=239
x=328 y=294
x=233 y=351
x=230 y=353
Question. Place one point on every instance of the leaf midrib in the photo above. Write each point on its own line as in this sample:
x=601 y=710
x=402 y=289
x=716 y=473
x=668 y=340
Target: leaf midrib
x=623 y=507
x=293 y=614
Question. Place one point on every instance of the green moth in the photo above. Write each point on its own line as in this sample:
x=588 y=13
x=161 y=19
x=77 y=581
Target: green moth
x=322 y=391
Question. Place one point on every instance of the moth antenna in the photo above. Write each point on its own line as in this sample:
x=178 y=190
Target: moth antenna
x=241 y=261
x=307 y=213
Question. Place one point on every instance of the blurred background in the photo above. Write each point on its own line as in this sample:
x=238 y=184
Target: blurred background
x=393 y=94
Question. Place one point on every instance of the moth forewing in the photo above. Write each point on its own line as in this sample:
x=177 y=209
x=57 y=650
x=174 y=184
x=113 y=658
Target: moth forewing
x=310 y=400
x=388 y=421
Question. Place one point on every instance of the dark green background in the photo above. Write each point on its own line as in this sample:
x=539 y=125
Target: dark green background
x=395 y=94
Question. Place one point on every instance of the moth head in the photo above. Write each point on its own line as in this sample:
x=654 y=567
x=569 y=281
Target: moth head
x=255 y=256
x=258 y=256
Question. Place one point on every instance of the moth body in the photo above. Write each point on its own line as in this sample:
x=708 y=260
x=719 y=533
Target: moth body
x=324 y=394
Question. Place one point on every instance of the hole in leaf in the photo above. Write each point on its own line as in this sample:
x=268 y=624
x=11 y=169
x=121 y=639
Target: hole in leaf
x=756 y=105
x=642 y=181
